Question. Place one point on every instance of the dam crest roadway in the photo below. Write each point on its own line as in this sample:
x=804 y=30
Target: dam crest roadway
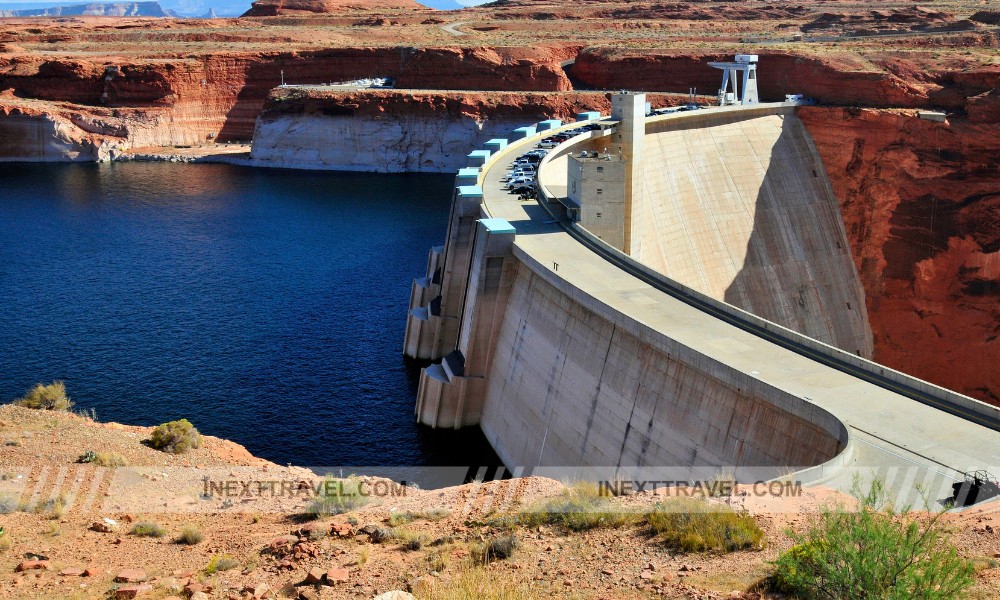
x=696 y=311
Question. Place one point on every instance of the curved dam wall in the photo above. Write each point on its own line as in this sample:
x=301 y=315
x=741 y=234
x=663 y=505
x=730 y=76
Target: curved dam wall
x=572 y=383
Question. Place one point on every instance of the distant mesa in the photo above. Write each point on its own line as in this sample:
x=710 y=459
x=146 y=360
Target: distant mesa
x=273 y=8
x=96 y=9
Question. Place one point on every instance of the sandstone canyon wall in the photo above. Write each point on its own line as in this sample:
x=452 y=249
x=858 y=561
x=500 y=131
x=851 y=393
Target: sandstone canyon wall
x=195 y=99
x=921 y=204
x=389 y=131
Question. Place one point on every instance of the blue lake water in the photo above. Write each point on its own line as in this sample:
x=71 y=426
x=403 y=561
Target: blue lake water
x=268 y=307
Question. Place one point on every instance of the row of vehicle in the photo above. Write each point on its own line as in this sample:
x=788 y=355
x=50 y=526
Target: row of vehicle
x=521 y=175
x=520 y=178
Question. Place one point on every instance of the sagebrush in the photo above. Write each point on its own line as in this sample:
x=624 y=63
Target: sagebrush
x=175 y=437
x=874 y=552
x=46 y=397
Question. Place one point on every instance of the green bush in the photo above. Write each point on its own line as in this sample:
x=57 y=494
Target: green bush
x=579 y=508
x=694 y=525
x=190 y=536
x=175 y=437
x=46 y=397
x=873 y=552
x=148 y=530
x=337 y=496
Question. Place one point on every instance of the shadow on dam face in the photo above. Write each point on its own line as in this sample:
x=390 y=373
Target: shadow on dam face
x=740 y=209
x=798 y=269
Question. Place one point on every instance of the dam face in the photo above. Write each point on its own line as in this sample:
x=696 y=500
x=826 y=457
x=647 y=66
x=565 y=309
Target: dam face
x=737 y=205
x=741 y=209
x=729 y=336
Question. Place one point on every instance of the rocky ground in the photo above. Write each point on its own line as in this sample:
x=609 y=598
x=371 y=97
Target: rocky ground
x=84 y=548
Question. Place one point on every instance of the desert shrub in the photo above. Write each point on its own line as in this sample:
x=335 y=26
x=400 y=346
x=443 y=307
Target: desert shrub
x=4 y=540
x=221 y=562
x=144 y=529
x=872 y=552
x=500 y=548
x=103 y=459
x=55 y=507
x=190 y=535
x=579 y=508
x=175 y=437
x=383 y=534
x=401 y=518
x=337 y=496
x=694 y=525
x=439 y=560
x=46 y=397
x=412 y=544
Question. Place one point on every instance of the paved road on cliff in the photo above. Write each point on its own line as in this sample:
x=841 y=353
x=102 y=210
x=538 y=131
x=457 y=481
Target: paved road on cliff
x=450 y=28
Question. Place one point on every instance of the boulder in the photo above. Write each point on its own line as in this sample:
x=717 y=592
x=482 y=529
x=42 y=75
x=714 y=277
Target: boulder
x=32 y=565
x=131 y=576
x=314 y=576
x=133 y=591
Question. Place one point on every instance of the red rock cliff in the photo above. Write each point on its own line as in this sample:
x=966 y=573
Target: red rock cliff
x=922 y=208
x=886 y=82
x=222 y=94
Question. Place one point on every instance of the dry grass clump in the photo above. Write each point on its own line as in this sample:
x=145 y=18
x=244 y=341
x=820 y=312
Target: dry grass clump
x=402 y=518
x=482 y=584
x=46 y=397
x=500 y=548
x=145 y=529
x=190 y=535
x=175 y=437
x=580 y=507
x=337 y=496
x=694 y=525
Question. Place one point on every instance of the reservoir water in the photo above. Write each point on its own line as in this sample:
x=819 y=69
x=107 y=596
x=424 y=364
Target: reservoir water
x=268 y=307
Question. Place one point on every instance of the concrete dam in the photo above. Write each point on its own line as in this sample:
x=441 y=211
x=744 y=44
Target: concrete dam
x=681 y=295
